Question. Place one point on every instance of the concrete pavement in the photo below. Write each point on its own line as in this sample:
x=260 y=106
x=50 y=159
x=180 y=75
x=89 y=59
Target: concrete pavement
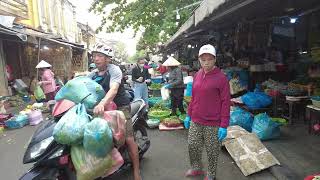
x=167 y=158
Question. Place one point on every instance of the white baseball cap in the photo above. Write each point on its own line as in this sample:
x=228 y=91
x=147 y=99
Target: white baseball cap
x=207 y=49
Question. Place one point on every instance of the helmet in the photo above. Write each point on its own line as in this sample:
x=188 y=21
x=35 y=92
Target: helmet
x=106 y=50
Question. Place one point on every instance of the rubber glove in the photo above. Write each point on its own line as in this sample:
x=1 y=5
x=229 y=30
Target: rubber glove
x=222 y=133
x=186 y=122
x=167 y=86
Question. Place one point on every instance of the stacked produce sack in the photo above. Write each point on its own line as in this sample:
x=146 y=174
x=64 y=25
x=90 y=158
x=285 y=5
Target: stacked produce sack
x=81 y=90
x=92 y=150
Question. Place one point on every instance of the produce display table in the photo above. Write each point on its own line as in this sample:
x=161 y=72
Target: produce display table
x=312 y=116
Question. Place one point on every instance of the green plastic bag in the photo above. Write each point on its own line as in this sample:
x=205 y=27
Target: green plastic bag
x=98 y=139
x=38 y=93
x=89 y=166
x=70 y=128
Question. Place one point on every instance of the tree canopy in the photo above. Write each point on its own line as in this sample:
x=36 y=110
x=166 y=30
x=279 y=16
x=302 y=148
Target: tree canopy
x=157 y=18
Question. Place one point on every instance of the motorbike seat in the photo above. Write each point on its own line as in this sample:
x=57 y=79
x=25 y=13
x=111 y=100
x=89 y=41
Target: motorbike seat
x=135 y=106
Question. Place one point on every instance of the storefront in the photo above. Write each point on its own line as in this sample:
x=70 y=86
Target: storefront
x=22 y=50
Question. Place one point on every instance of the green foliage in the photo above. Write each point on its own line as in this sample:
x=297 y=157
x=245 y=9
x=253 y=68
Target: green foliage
x=156 y=17
x=139 y=53
x=121 y=52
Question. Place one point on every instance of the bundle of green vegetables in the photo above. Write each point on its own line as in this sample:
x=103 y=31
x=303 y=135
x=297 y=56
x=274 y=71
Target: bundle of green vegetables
x=172 y=121
x=155 y=86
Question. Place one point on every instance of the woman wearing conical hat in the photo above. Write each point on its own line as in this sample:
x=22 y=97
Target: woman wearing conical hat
x=175 y=84
x=47 y=81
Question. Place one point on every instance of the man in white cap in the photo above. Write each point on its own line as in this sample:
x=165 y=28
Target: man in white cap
x=209 y=111
x=47 y=82
x=175 y=84
x=109 y=76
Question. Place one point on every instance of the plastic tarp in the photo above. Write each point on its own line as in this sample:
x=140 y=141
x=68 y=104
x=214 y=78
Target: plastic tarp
x=98 y=138
x=117 y=122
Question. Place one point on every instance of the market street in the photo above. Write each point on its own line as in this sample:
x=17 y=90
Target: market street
x=165 y=160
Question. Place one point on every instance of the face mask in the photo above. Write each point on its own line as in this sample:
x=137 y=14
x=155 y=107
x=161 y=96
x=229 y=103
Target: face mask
x=141 y=65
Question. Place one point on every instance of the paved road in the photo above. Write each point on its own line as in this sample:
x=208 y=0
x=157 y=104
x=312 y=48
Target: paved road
x=166 y=159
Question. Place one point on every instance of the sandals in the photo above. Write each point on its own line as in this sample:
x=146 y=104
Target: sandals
x=191 y=173
x=209 y=178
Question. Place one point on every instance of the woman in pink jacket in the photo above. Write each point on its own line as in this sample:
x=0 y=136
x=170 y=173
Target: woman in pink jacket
x=47 y=82
x=208 y=112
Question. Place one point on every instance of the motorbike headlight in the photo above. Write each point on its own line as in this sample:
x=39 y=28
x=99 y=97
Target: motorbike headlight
x=40 y=147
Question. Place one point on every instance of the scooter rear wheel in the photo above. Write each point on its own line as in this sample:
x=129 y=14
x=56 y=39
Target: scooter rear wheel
x=141 y=138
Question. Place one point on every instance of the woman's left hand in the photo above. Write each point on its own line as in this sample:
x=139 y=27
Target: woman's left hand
x=99 y=109
x=222 y=133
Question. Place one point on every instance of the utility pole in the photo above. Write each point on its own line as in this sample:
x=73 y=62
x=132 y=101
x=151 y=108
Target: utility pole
x=87 y=36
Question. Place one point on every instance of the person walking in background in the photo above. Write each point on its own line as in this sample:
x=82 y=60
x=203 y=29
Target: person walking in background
x=47 y=81
x=209 y=111
x=175 y=84
x=140 y=78
x=162 y=69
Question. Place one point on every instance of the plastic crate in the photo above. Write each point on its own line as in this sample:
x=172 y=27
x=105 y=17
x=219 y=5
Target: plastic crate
x=156 y=80
x=315 y=103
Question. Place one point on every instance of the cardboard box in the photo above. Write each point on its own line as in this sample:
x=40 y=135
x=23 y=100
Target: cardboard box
x=249 y=153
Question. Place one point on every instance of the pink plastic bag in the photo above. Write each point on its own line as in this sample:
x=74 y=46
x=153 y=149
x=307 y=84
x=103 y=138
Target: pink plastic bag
x=117 y=122
x=117 y=162
x=110 y=107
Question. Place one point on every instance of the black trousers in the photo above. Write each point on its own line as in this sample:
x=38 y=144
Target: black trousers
x=177 y=95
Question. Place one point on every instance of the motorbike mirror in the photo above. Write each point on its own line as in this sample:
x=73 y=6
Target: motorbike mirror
x=61 y=107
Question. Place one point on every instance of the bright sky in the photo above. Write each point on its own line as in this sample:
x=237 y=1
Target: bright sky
x=93 y=20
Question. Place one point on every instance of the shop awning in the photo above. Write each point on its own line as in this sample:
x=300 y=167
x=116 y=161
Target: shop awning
x=208 y=10
x=12 y=34
x=188 y=24
x=203 y=11
x=30 y=35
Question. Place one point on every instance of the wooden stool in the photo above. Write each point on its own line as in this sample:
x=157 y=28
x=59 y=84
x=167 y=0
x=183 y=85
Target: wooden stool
x=292 y=105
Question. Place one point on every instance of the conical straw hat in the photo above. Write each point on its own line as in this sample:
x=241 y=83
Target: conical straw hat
x=171 y=62
x=43 y=64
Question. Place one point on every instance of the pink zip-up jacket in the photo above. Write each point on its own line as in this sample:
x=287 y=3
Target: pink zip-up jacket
x=48 y=82
x=210 y=103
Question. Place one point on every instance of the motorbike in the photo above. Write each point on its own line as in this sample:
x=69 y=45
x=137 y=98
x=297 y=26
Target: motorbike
x=53 y=160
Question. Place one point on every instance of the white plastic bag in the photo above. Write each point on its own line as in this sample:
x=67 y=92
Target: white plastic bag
x=188 y=79
x=165 y=93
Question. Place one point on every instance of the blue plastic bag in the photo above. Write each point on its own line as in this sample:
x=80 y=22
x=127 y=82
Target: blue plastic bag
x=82 y=89
x=265 y=128
x=256 y=100
x=70 y=128
x=189 y=89
x=98 y=139
x=17 y=122
x=241 y=118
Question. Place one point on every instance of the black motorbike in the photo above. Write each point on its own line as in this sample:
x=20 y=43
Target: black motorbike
x=53 y=160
